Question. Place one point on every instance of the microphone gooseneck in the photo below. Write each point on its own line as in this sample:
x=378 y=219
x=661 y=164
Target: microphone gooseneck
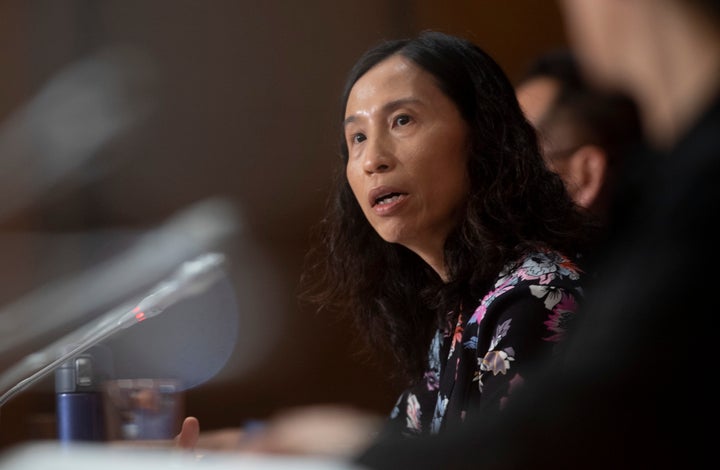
x=193 y=277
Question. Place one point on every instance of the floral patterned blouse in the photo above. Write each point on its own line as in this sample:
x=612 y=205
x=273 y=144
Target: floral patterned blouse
x=480 y=359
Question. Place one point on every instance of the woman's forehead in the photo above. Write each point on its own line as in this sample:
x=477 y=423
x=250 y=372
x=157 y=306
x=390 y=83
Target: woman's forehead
x=394 y=79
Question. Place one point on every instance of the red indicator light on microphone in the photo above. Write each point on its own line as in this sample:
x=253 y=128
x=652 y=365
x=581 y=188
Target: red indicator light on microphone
x=139 y=314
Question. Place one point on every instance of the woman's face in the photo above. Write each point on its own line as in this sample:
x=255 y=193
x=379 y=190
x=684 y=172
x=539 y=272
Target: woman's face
x=408 y=149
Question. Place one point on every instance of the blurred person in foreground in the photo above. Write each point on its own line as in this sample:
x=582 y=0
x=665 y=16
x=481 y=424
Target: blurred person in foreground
x=585 y=133
x=447 y=240
x=637 y=387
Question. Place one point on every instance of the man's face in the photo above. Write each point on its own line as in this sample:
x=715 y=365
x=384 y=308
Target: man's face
x=556 y=136
x=535 y=96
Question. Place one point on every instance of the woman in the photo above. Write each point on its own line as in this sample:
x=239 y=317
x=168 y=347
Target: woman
x=446 y=239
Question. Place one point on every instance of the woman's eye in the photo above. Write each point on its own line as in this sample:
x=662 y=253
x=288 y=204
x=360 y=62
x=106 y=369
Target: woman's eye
x=402 y=120
x=357 y=138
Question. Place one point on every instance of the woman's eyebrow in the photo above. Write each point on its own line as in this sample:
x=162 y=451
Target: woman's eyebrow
x=387 y=107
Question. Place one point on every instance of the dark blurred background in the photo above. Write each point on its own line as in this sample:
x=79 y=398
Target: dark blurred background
x=234 y=100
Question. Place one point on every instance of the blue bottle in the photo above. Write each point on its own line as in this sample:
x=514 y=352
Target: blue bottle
x=79 y=398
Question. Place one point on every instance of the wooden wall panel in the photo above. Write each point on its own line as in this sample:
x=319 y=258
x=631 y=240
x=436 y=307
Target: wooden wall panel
x=512 y=31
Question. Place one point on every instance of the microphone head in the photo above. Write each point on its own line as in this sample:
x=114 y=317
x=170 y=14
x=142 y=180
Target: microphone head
x=191 y=341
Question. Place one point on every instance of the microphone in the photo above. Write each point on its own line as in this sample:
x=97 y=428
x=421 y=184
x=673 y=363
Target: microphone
x=191 y=231
x=191 y=278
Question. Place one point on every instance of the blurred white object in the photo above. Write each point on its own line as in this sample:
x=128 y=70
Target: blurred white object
x=81 y=456
x=78 y=110
x=65 y=301
x=191 y=278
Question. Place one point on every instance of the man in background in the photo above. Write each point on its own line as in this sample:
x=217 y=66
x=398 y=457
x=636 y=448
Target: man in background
x=584 y=133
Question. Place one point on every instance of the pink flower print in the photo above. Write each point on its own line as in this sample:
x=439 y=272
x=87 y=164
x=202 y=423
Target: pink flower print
x=568 y=269
x=431 y=380
x=503 y=284
x=478 y=314
x=488 y=299
x=544 y=266
x=543 y=274
x=557 y=320
x=413 y=413
x=457 y=335
x=516 y=382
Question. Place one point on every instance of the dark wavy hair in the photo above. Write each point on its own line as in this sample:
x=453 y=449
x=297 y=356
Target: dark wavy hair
x=515 y=205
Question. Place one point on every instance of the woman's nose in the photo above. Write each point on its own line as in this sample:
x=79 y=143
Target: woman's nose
x=378 y=156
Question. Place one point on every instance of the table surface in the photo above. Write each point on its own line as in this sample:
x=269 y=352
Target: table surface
x=52 y=455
